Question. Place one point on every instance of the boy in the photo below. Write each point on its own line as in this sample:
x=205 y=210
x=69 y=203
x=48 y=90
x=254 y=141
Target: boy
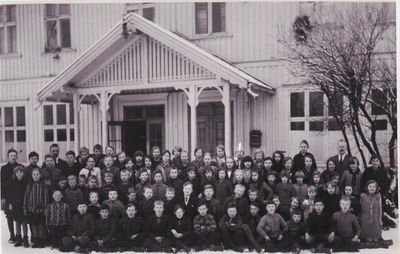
x=285 y=191
x=105 y=231
x=131 y=230
x=205 y=229
x=73 y=195
x=213 y=206
x=49 y=171
x=295 y=233
x=355 y=205
x=188 y=201
x=318 y=228
x=169 y=201
x=157 y=228
x=300 y=187
x=223 y=187
x=241 y=201
x=194 y=179
x=57 y=218
x=175 y=182
x=250 y=223
x=91 y=187
x=107 y=186
x=94 y=205
x=347 y=229
x=272 y=228
x=330 y=198
x=123 y=186
x=82 y=157
x=181 y=230
x=71 y=167
x=117 y=208
x=184 y=165
x=62 y=184
x=79 y=232
x=108 y=167
x=230 y=227
x=145 y=205
x=98 y=154
x=132 y=196
x=33 y=160
x=158 y=187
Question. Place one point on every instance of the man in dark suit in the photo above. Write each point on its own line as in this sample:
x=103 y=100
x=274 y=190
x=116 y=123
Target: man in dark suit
x=58 y=162
x=341 y=159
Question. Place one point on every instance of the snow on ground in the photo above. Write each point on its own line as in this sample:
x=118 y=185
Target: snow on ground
x=7 y=248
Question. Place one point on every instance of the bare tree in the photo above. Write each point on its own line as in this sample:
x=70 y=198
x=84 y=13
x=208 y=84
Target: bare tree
x=350 y=57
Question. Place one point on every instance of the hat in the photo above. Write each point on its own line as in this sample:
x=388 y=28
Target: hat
x=208 y=186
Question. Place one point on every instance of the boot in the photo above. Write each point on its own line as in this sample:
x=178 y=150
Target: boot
x=18 y=241
x=12 y=238
x=26 y=242
x=36 y=242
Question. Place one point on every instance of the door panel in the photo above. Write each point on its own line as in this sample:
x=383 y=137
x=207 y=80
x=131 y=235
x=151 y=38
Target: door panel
x=135 y=137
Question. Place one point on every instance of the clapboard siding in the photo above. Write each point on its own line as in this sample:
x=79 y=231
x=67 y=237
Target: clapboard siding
x=176 y=128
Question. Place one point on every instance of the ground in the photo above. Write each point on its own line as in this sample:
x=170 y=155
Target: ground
x=8 y=248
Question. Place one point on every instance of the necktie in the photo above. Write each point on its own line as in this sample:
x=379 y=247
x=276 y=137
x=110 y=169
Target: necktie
x=341 y=159
x=186 y=200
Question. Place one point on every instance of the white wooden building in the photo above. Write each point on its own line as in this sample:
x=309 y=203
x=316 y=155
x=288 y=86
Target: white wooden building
x=138 y=75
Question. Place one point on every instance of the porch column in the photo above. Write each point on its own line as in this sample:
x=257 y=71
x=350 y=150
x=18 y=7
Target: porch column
x=192 y=101
x=77 y=107
x=104 y=125
x=227 y=103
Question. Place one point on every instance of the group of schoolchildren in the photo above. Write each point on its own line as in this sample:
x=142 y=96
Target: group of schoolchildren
x=164 y=202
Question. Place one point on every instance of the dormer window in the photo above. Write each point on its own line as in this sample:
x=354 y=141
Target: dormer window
x=210 y=18
x=58 y=27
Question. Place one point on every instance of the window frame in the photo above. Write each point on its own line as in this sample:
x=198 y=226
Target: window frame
x=210 y=33
x=139 y=7
x=68 y=126
x=58 y=17
x=5 y=25
x=14 y=128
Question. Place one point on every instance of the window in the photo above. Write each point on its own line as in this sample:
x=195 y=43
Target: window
x=58 y=123
x=8 y=29
x=146 y=10
x=58 y=27
x=210 y=18
x=13 y=131
x=379 y=98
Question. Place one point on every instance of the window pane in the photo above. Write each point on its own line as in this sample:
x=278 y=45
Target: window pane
x=51 y=30
x=48 y=135
x=380 y=102
x=10 y=13
x=21 y=136
x=61 y=114
x=64 y=9
x=48 y=114
x=9 y=136
x=297 y=126
x=61 y=135
x=155 y=135
x=12 y=39
x=155 y=112
x=71 y=113
x=297 y=104
x=380 y=124
x=8 y=117
x=316 y=104
x=2 y=42
x=336 y=106
x=71 y=135
x=65 y=33
x=133 y=113
x=333 y=125
x=201 y=10
x=148 y=13
x=50 y=10
x=218 y=17
x=316 y=126
x=20 y=116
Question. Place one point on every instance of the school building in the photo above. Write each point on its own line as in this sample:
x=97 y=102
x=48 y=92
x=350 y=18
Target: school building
x=143 y=74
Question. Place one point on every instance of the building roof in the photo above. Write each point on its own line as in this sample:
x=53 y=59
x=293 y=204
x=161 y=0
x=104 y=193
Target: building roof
x=135 y=23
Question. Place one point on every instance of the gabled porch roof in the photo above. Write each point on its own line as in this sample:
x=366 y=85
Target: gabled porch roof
x=66 y=81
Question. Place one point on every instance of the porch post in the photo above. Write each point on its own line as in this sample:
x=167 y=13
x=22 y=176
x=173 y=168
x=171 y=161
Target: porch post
x=104 y=125
x=77 y=107
x=227 y=103
x=193 y=118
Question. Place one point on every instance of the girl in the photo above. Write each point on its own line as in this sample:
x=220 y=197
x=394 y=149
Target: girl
x=294 y=204
x=308 y=169
x=90 y=169
x=355 y=205
x=300 y=187
x=18 y=184
x=221 y=156
x=330 y=198
x=288 y=164
x=316 y=181
x=239 y=179
x=308 y=203
x=378 y=173
x=120 y=160
x=206 y=164
x=371 y=213
x=247 y=167
x=267 y=167
x=352 y=177
x=198 y=162
x=138 y=161
x=165 y=164
x=259 y=159
x=277 y=161
x=264 y=191
x=36 y=199
x=330 y=170
x=156 y=156
x=230 y=166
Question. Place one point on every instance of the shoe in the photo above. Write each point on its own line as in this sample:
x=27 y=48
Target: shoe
x=12 y=239
x=138 y=249
x=186 y=249
x=216 y=247
x=36 y=243
x=238 y=249
x=77 y=249
x=18 y=241
x=26 y=242
x=258 y=249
